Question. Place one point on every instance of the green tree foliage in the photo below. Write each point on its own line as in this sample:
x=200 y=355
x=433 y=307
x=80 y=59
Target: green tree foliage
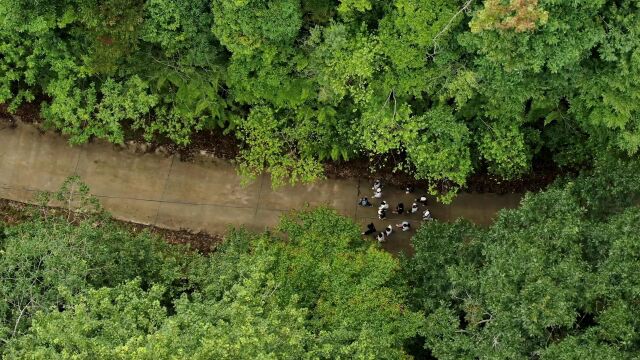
x=545 y=72
x=18 y=71
x=45 y=262
x=93 y=290
x=505 y=149
x=247 y=26
x=551 y=279
x=437 y=145
x=93 y=322
x=79 y=114
x=512 y=80
x=269 y=147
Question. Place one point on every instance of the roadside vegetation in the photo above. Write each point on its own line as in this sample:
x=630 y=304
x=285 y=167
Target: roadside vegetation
x=554 y=279
x=442 y=89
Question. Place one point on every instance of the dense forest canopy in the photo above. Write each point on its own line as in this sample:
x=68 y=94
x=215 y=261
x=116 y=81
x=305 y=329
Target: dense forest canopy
x=453 y=86
x=445 y=88
x=553 y=279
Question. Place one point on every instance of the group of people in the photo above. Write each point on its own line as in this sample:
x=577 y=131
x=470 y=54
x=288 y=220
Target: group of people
x=399 y=209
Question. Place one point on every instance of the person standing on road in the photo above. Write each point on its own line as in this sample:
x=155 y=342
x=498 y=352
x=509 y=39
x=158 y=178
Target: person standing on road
x=382 y=214
x=414 y=208
x=364 y=202
x=404 y=225
x=378 y=193
x=399 y=209
x=427 y=215
x=380 y=237
x=388 y=230
x=377 y=184
x=383 y=205
x=422 y=200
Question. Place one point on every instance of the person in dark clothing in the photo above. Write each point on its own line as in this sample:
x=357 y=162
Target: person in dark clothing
x=364 y=202
x=399 y=209
x=408 y=189
x=370 y=229
x=382 y=214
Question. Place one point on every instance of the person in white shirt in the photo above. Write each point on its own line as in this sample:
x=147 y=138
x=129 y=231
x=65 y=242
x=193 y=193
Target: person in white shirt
x=427 y=215
x=388 y=230
x=414 y=208
x=404 y=225
x=378 y=193
x=377 y=184
x=380 y=237
x=422 y=200
x=383 y=205
x=382 y=214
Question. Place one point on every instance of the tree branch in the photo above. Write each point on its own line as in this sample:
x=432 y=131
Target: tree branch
x=464 y=8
